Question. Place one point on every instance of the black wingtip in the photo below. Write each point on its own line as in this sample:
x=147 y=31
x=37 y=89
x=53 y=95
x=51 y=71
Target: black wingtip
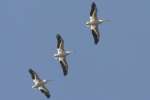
x=30 y=70
x=65 y=71
x=58 y=36
x=96 y=41
x=93 y=4
x=48 y=96
x=59 y=39
x=93 y=7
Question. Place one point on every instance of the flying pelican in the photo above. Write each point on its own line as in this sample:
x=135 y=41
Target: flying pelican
x=94 y=22
x=61 y=54
x=39 y=84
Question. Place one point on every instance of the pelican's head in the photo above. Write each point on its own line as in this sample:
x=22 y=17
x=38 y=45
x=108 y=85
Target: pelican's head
x=68 y=52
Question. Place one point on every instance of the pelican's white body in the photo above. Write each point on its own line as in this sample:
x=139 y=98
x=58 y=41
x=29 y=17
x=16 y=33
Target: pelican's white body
x=39 y=83
x=61 y=53
x=94 y=22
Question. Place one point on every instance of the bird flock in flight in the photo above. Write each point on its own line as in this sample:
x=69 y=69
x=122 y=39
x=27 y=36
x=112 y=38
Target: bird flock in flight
x=62 y=53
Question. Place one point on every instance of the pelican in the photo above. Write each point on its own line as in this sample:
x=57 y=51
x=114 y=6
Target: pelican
x=39 y=84
x=94 y=22
x=61 y=54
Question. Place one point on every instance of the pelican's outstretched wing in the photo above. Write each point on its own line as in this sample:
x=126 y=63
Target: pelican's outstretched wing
x=45 y=91
x=34 y=75
x=93 y=12
x=64 y=65
x=96 y=34
x=60 y=42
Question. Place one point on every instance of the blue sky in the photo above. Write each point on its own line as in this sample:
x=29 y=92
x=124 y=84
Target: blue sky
x=118 y=68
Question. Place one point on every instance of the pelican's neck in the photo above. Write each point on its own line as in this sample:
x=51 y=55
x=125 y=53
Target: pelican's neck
x=45 y=81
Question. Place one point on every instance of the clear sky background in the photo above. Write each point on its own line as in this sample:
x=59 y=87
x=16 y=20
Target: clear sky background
x=118 y=68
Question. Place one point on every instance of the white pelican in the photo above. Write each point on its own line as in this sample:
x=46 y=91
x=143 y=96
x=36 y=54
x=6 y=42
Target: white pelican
x=61 y=54
x=39 y=84
x=94 y=22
